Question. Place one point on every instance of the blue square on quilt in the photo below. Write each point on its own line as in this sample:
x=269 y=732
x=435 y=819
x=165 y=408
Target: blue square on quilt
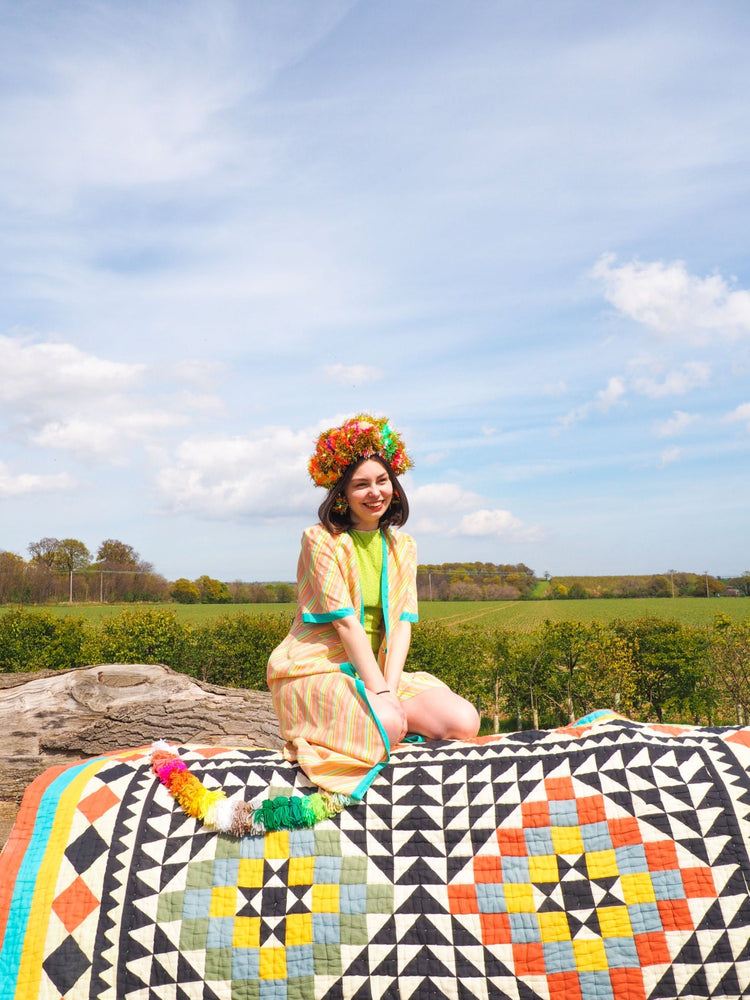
x=559 y=956
x=524 y=928
x=196 y=904
x=226 y=871
x=596 y=837
x=644 y=918
x=621 y=953
x=326 y=928
x=328 y=870
x=273 y=989
x=301 y=843
x=491 y=897
x=668 y=885
x=299 y=961
x=563 y=812
x=596 y=985
x=353 y=899
x=538 y=841
x=515 y=869
x=220 y=932
x=631 y=859
x=245 y=963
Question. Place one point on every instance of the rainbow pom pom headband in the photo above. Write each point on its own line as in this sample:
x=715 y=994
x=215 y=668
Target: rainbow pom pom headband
x=361 y=437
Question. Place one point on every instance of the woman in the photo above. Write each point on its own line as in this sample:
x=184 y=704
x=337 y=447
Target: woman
x=337 y=680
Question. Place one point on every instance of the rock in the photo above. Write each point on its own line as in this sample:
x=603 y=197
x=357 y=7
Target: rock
x=59 y=717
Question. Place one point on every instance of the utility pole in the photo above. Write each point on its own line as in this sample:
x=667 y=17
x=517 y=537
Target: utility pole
x=671 y=577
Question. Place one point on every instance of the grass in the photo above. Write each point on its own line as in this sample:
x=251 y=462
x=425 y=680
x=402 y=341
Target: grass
x=519 y=616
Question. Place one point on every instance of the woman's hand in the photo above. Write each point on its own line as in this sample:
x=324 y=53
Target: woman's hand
x=391 y=713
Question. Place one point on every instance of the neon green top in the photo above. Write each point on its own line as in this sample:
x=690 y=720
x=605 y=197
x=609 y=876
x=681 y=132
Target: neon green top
x=369 y=549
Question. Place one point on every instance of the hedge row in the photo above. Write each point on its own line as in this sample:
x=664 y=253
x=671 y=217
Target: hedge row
x=647 y=668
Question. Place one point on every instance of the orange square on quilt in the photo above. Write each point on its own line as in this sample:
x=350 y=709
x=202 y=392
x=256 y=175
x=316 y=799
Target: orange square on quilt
x=627 y=983
x=661 y=856
x=675 y=915
x=559 y=788
x=462 y=899
x=495 y=928
x=652 y=949
x=625 y=831
x=512 y=843
x=591 y=809
x=566 y=986
x=535 y=813
x=488 y=869
x=698 y=882
x=528 y=960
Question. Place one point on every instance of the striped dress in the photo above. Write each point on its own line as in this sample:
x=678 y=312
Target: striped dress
x=323 y=710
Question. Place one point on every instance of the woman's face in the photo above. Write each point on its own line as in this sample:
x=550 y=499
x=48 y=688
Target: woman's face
x=369 y=493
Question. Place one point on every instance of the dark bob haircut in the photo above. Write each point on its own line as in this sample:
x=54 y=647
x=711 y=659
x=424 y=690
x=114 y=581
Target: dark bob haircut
x=338 y=522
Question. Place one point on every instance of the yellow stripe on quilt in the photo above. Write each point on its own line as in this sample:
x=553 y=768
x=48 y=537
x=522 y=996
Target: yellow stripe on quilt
x=30 y=967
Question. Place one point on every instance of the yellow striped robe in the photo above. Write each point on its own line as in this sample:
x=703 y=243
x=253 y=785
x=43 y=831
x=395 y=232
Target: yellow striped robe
x=323 y=711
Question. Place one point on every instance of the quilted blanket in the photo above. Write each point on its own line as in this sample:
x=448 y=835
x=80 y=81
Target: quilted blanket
x=606 y=861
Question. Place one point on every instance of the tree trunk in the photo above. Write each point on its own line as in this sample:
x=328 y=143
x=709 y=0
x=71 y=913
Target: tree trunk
x=55 y=718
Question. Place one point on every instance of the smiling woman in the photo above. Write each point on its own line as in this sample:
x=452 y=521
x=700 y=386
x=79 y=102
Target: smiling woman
x=337 y=680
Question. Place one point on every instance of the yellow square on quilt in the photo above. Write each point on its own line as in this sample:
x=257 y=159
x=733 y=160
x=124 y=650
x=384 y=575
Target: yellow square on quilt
x=276 y=844
x=325 y=898
x=272 y=963
x=602 y=864
x=299 y=928
x=251 y=873
x=519 y=897
x=590 y=955
x=223 y=901
x=567 y=839
x=554 y=927
x=246 y=932
x=638 y=888
x=301 y=871
x=614 y=921
x=543 y=868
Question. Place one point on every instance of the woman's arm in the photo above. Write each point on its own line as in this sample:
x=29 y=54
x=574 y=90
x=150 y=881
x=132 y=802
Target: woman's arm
x=398 y=647
x=359 y=651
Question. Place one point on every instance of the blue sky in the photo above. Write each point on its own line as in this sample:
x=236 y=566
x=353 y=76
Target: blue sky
x=518 y=230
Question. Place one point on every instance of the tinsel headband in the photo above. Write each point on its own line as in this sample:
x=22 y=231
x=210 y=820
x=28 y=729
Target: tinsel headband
x=361 y=437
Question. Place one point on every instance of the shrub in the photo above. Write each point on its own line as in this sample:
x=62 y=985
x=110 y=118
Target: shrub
x=38 y=640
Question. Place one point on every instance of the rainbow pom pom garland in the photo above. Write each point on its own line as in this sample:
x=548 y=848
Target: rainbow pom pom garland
x=235 y=816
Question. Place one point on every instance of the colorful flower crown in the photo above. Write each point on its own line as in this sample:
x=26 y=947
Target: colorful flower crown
x=361 y=437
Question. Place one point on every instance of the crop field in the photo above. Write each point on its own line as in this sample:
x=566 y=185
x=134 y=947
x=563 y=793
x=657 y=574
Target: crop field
x=518 y=616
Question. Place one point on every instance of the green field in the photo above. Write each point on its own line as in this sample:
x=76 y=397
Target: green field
x=519 y=616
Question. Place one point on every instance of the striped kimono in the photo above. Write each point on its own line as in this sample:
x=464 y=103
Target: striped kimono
x=322 y=705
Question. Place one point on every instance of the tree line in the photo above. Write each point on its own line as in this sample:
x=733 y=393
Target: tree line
x=646 y=668
x=63 y=569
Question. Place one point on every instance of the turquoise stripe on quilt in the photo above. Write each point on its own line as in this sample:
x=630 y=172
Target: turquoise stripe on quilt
x=23 y=895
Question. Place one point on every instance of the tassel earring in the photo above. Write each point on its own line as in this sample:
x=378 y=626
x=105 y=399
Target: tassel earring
x=341 y=504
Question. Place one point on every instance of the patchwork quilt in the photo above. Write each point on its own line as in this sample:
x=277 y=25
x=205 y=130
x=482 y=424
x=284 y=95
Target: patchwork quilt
x=604 y=861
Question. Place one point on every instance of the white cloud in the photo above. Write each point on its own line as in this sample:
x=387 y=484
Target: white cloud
x=741 y=413
x=675 y=425
x=351 y=374
x=669 y=300
x=607 y=397
x=446 y=508
x=670 y=455
x=604 y=400
x=24 y=484
x=38 y=374
x=678 y=382
x=261 y=475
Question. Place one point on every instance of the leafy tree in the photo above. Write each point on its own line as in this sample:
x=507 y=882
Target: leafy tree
x=213 y=591
x=116 y=554
x=44 y=552
x=71 y=555
x=185 y=592
x=729 y=655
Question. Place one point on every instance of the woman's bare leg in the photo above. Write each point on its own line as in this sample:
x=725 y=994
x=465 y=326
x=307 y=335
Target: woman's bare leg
x=439 y=714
